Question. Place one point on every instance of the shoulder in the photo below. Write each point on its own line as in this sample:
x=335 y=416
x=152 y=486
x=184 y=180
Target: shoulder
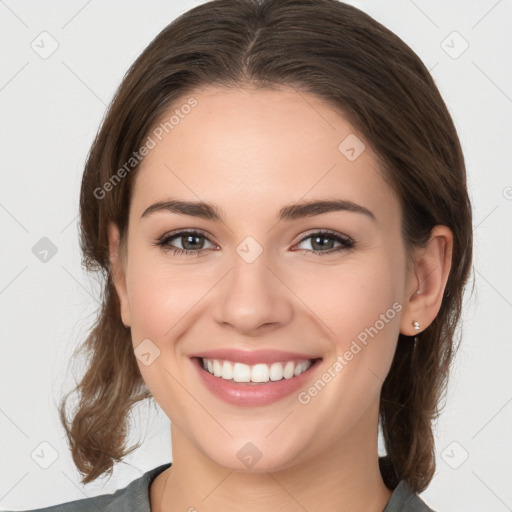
x=132 y=498
x=404 y=499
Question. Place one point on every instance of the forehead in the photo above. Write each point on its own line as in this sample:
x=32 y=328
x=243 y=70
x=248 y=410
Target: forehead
x=245 y=148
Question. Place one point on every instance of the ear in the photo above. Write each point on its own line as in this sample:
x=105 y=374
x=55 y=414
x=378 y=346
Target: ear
x=117 y=266
x=426 y=281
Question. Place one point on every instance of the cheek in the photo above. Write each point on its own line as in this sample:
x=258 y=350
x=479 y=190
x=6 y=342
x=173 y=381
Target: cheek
x=159 y=296
x=154 y=308
x=164 y=302
x=363 y=314
x=351 y=298
x=362 y=308
x=159 y=307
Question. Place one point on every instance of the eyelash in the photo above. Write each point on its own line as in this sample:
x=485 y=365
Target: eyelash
x=347 y=243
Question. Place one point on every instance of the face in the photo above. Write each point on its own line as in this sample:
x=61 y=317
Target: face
x=274 y=291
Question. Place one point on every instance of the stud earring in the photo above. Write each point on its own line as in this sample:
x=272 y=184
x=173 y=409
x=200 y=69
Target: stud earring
x=416 y=325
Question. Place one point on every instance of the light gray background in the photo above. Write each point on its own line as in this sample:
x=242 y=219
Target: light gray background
x=51 y=108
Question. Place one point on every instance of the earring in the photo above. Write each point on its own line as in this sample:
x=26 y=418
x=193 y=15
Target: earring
x=416 y=325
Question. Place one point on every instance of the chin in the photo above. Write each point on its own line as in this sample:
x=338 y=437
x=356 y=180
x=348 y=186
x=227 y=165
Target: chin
x=253 y=458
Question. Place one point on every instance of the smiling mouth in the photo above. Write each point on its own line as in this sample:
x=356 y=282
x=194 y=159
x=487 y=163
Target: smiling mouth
x=260 y=373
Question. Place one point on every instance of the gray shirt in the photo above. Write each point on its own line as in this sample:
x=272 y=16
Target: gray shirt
x=135 y=498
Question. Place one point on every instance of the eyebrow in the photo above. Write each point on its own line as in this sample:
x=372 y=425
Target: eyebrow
x=289 y=212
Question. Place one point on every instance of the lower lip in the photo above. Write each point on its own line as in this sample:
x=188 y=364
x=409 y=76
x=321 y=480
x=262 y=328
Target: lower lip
x=252 y=394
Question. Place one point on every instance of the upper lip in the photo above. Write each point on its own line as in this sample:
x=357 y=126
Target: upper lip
x=252 y=357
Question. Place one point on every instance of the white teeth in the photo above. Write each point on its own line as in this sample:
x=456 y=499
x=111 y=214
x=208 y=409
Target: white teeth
x=260 y=373
x=227 y=370
x=300 y=368
x=217 y=368
x=240 y=372
x=288 y=370
x=276 y=371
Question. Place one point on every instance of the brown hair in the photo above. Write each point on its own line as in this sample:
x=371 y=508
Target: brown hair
x=370 y=76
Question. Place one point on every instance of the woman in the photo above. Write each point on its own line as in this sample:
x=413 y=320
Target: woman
x=277 y=200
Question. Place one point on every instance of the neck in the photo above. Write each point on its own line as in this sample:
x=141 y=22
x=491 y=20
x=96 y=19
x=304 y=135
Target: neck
x=343 y=477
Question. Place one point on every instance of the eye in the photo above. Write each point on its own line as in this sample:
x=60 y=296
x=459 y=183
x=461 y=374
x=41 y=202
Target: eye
x=192 y=242
x=325 y=240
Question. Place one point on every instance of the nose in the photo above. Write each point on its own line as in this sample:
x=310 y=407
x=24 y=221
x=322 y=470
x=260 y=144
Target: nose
x=253 y=298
